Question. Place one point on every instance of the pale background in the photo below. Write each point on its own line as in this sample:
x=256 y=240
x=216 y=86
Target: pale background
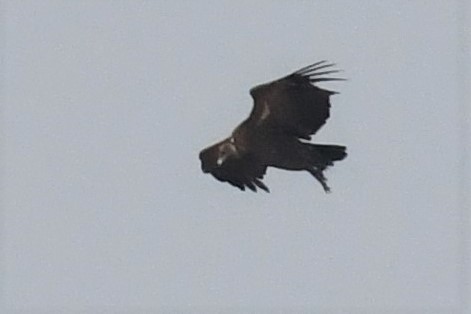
x=106 y=104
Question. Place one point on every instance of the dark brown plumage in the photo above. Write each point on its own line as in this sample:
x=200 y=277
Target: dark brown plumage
x=284 y=112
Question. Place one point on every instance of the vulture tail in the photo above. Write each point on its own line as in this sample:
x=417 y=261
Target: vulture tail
x=331 y=153
x=327 y=155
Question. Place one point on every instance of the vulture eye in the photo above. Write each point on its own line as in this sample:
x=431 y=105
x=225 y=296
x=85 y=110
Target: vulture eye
x=220 y=160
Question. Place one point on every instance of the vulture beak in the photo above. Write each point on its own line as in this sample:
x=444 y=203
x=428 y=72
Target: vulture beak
x=205 y=169
x=205 y=165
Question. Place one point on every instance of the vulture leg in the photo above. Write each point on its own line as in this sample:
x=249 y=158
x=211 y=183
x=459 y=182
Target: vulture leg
x=316 y=173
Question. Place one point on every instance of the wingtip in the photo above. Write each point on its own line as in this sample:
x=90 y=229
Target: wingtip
x=313 y=74
x=326 y=79
x=311 y=66
x=266 y=189
x=262 y=186
x=314 y=67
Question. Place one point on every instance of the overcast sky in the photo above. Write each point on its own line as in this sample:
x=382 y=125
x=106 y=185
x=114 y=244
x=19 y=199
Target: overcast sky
x=106 y=104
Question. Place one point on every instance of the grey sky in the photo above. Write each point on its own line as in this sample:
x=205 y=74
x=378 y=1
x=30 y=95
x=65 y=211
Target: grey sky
x=106 y=104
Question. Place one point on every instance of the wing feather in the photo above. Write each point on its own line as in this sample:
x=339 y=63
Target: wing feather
x=295 y=105
x=242 y=172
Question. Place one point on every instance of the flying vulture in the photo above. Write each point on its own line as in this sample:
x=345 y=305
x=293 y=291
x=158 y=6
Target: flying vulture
x=285 y=114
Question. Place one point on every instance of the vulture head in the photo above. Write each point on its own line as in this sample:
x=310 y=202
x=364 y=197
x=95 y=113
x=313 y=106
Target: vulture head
x=218 y=154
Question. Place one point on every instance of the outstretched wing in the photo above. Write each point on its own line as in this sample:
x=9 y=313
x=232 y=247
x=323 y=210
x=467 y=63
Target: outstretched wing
x=294 y=104
x=242 y=172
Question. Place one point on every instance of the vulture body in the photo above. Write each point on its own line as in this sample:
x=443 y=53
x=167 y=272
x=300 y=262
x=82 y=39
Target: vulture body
x=285 y=112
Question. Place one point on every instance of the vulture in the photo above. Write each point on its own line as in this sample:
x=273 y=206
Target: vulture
x=285 y=114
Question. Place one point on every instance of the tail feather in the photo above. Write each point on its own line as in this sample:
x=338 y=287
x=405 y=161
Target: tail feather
x=331 y=153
